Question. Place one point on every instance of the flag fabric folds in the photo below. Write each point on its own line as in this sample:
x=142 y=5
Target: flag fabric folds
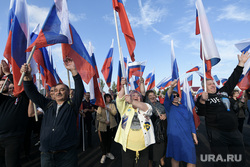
x=175 y=70
x=148 y=77
x=56 y=27
x=187 y=100
x=125 y=26
x=165 y=82
x=96 y=97
x=119 y=77
x=244 y=83
x=80 y=56
x=216 y=79
x=243 y=45
x=136 y=68
x=107 y=67
x=151 y=83
x=42 y=58
x=208 y=46
x=18 y=40
x=196 y=68
x=223 y=81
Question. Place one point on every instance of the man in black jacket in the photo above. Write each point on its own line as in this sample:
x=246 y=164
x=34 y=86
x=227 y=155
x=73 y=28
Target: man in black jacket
x=225 y=140
x=58 y=135
x=13 y=121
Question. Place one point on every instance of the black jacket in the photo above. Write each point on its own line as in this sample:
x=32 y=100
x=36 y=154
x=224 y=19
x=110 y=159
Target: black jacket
x=57 y=133
x=13 y=114
x=215 y=112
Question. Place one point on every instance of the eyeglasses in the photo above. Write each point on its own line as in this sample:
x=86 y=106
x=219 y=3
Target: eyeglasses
x=175 y=96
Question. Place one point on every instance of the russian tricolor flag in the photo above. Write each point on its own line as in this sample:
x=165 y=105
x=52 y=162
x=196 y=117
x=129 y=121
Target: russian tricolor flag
x=223 y=81
x=18 y=40
x=56 y=27
x=134 y=83
x=136 y=68
x=244 y=83
x=149 y=77
x=165 y=82
x=126 y=28
x=119 y=76
x=216 y=79
x=96 y=97
x=187 y=100
x=80 y=56
x=208 y=46
x=42 y=58
x=196 y=68
x=151 y=83
x=175 y=70
x=107 y=67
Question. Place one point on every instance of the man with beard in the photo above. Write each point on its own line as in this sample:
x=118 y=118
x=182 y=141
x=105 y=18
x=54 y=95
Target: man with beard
x=58 y=137
x=13 y=121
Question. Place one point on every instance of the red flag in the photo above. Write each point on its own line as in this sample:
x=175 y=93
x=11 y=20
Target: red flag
x=126 y=28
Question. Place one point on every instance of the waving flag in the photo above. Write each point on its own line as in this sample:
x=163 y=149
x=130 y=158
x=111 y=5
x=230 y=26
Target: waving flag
x=190 y=80
x=56 y=76
x=42 y=58
x=223 y=81
x=119 y=77
x=151 y=83
x=11 y=12
x=80 y=56
x=216 y=79
x=134 y=83
x=107 y=67
x=165 y=82
x=18 y=40
x=136 y=68
x=243 y=45
x=175 y=70
x=244 y=83
x=149 y=77
x=96 y=97
x=56 y=27
x=126 y=28
x=196 y=68
x=187 y=100
x=208 y=46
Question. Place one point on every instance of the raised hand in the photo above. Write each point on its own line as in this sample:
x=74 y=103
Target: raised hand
x=70 y=65
x=243 y=58
x=5 y=67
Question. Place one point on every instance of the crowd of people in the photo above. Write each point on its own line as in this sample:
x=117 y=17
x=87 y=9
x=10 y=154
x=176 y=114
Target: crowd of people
x=148 y=127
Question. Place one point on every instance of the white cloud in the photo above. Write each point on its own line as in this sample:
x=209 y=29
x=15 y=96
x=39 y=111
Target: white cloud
x=37 y=15
x=76 y=17
x=227 y=50
x=232 y=12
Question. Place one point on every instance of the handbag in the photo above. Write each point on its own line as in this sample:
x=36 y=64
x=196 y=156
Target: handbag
x=160 y=131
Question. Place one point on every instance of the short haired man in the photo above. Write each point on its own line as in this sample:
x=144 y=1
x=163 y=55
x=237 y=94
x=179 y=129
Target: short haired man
x=58 y=137
x=221 y=122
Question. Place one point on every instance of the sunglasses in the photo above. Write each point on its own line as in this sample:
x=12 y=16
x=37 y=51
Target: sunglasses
x=175 y=96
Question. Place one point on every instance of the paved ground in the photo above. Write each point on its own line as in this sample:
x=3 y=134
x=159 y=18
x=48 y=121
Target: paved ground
x=91 y=157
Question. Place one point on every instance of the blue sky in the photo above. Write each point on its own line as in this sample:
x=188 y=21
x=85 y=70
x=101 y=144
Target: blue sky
x=155 y=23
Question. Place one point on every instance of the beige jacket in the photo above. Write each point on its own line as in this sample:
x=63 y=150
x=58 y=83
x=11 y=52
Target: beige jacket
x=102 y=117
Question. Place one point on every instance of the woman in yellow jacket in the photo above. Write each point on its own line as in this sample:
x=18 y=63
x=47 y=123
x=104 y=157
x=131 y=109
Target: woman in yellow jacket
x=106 y=118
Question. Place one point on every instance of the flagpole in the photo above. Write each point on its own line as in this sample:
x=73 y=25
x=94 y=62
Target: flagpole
x=204 y=70
x=120 y=52
x=28 y=61
x=3 y=85
x=36 y=118
x=39 y=85
x=68 y=79
x=181 y=76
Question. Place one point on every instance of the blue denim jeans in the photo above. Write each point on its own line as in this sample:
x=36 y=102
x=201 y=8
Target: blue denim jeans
x=66 y=158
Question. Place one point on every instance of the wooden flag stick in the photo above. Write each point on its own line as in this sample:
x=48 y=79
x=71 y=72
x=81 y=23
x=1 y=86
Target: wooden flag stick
x=120 y=53
x=68 y=79
x=28 y=61
x=4 y=84
x=36 y=118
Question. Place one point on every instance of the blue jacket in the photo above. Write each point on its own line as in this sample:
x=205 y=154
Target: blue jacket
x=57 y=133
